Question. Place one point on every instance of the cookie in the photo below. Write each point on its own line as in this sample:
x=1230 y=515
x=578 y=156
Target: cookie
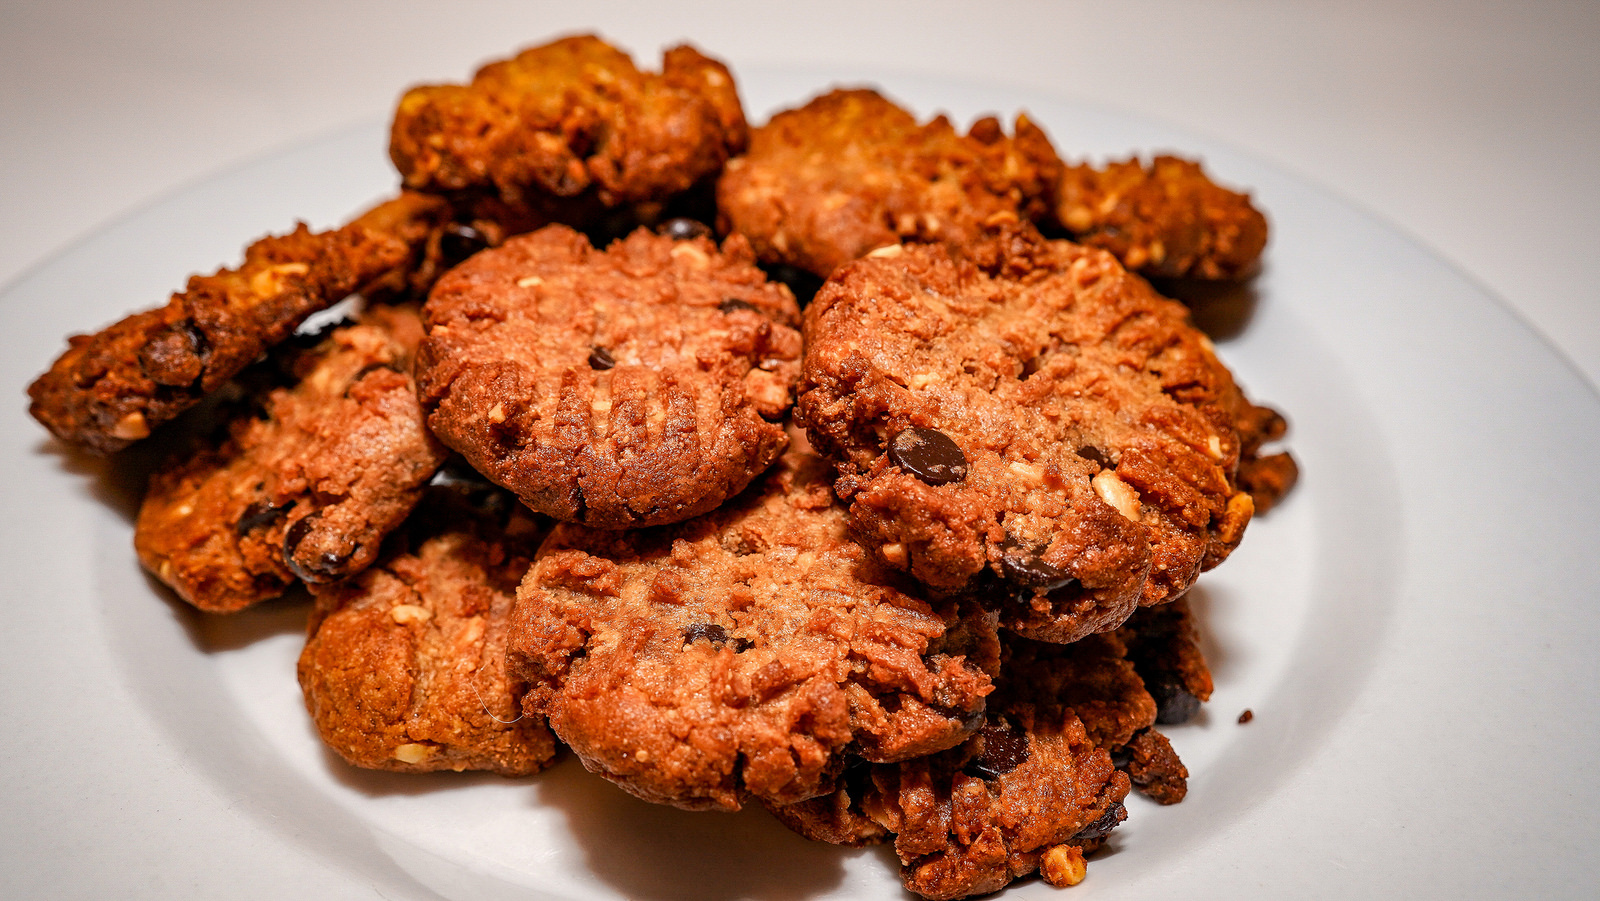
x=1162 y=219
x=639 y=385
x=1030 y=792
x=850 y=172
x=1033 y=422
x=115 y=387
x=404 y=667
x=306 y=479
x=741 y=655
x=570 y=118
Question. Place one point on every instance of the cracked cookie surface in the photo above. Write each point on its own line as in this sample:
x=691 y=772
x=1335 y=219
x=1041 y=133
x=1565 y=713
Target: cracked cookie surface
x=404 y=666
x=743 y=653
x=569 y=118
x=118 y=385
x=851 y=171
x=306 y=479
x=1032 y=422
x=634 y=386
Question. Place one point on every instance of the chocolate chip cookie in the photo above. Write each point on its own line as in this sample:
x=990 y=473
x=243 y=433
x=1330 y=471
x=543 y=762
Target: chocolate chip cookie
x=639 y=385
x=741 y=655
x=1166 y=218
x=1030 y=792
x=116 y=386
x=1032 y=412
x=405 y=668
x=306 y=478
x=571 y=118
x=851 y=171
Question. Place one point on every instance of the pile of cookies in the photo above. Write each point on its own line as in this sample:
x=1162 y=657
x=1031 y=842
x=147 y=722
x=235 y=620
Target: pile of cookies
x=848 y=465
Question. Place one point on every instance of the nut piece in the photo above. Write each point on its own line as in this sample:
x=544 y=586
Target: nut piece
x=1063 y=865
x=1117 y=493
x=410 y=613
x=413 y=753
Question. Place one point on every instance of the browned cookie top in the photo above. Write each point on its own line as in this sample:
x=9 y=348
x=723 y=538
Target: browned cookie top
x=851 y=171
x=307 y=479
x=1045 y=416
x=742 y=653
x=405 y=668
x=116 y=386
x=635 y=386
x=1166 y=218
x=568 y=117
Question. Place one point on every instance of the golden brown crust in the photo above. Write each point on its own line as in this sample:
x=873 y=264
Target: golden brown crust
x=115 y=387
x=1094 y=424
x=404 y=667
x=571 y=117
x=307 y=480
x=850 y=171
x=1165 y=219
x=743 y=653
x=639 y=385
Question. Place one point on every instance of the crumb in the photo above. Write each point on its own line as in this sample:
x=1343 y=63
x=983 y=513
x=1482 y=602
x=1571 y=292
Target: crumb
x=1247 y=716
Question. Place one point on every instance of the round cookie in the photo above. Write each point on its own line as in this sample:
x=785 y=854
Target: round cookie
x=744 y=653
x=404 y=666
x=1165 y=219
x=572 y=117
x=851 y=171
x=307 y=479
x=635 y=386
x=1032 y=422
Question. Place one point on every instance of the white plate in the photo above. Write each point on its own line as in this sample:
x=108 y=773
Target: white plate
x=1415 y=630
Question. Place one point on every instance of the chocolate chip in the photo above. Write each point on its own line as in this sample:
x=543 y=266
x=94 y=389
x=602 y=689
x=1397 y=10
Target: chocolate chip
x=1005 y=748
x=601 y=359
x=258 y=514
x=459 y=241
x=715 y=634
x=324 y=568
x=1103 y=824
x=682 y=228
x=1174 y=703
x=1095 y=455
x=1024 y=568
x=928 y=454
x=734 y=303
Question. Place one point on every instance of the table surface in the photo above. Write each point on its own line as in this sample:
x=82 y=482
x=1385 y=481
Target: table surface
x=1471 y=127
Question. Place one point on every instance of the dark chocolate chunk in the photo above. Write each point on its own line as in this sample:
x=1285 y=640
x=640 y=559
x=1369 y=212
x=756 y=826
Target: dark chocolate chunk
x=1174 y=703
x=1103 y=825
x=734 y=303
x=928 y=454
x=459 y=241
x=715 y=634
x=325 y=568
x=1095 y=455
x=682 y=228
x=1005 y=748
x=1023 y=567
x=601 y=359
x=260 y=513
